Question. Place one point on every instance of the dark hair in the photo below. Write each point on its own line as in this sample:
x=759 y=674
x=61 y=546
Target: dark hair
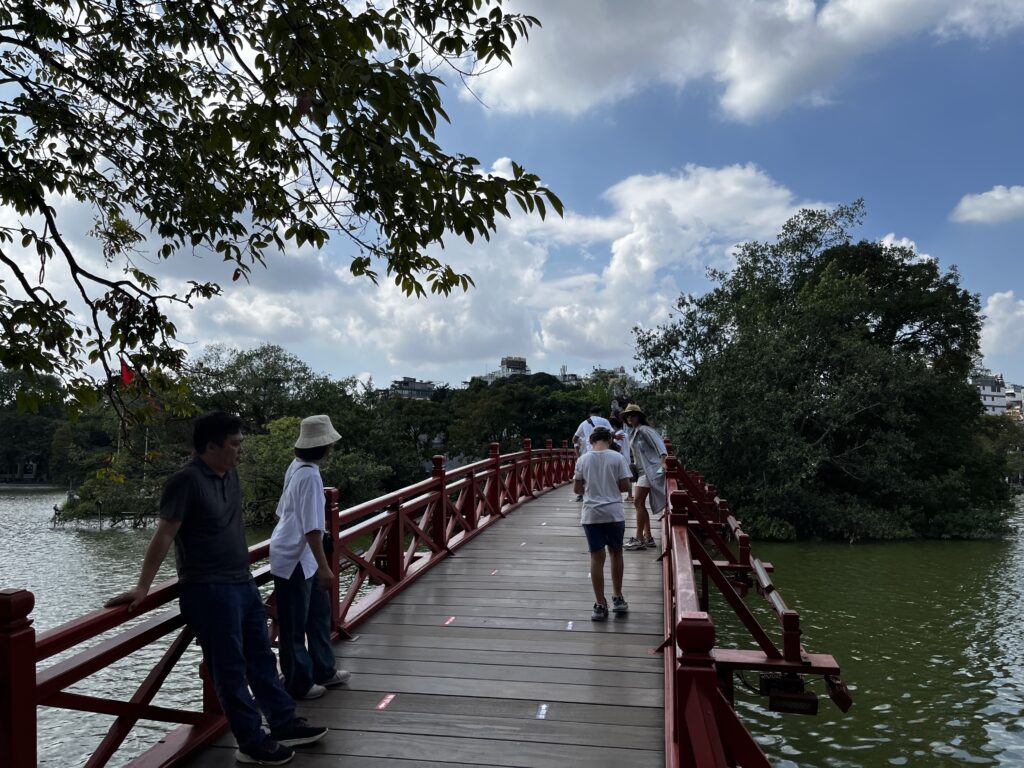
x=601 y=433
x=312 y=454
x=214 y=427
x=596 y=410
x=615 y=421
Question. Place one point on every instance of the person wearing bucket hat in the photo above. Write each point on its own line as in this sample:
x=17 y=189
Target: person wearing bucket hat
x=301 y=569
x=201 y=515
x=649 y=454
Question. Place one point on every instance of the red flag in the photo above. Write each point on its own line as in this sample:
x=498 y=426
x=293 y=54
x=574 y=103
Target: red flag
x=127 y=374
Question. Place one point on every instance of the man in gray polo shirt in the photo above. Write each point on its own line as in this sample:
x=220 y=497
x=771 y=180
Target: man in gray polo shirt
x=201 y=513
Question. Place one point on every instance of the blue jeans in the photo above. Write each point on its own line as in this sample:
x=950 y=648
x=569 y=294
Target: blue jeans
x=304 y=632
x=230 y=623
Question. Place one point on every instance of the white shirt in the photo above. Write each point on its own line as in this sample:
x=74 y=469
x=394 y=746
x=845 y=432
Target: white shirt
x=602 y=499
x=300 y=511
x=585 y=428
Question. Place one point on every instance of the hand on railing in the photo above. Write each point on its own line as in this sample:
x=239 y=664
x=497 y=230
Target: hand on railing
x=133 y=597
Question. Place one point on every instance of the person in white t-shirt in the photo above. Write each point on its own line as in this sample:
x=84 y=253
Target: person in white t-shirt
x=602 y=475
x=581 y=439
x=301 y=570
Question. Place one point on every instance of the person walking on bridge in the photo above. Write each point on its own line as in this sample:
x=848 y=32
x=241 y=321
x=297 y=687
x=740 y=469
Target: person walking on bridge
x=581 y=439
x=201 y=514
x=301 y=569
x=649 y=456
x=602 y=476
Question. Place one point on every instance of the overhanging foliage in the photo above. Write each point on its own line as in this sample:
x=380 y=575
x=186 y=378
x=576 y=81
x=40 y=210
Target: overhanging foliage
x=231 y=129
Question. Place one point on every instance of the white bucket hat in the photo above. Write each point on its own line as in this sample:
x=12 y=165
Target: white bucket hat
x=316 y=431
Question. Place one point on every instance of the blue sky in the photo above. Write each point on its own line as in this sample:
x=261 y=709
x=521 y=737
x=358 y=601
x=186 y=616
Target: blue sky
x=674 y=130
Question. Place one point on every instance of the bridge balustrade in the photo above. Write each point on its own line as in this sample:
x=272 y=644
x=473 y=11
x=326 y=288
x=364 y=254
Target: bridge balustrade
x=402 y=535
x=702 y=728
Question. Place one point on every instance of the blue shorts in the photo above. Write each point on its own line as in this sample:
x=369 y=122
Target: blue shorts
x=601 y=535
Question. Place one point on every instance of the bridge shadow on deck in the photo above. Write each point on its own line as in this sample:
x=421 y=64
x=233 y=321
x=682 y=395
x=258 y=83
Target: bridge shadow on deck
x=483 y=644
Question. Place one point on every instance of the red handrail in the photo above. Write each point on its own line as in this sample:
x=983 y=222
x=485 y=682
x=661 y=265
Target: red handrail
x=702 y=729
x=409 y=530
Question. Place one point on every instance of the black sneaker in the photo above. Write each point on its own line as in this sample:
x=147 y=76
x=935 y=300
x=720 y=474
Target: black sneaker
x=600 y=613
x=267 y=752
x=633 y=544
x=579 y=498
x=619 y=605
x=298 y=732
x=650 y=543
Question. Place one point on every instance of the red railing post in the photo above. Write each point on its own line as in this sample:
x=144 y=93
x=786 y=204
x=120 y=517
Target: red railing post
x=17 y=680
x=550 y=464
x=334 y=536
x=439 y=521
x=527 y=489
x=394 y=545
x=494 y=489
x=567 y=465
x=513 y=480
x=791 y=635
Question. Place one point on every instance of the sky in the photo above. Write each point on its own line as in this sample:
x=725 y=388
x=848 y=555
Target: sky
x=673 y=130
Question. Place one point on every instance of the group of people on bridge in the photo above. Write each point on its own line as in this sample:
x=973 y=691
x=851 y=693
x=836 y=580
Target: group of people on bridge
x=613 y=455
x=201 y=514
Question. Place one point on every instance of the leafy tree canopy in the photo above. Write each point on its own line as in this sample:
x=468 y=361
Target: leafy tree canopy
x=231 y=129
x=823 y=385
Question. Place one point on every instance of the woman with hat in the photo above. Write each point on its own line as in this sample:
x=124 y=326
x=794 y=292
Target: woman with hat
x=302 y=573
x=649 y=455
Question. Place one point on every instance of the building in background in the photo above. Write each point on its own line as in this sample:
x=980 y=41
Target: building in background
x=407 y=386
x=510 y=366
x=992 y=390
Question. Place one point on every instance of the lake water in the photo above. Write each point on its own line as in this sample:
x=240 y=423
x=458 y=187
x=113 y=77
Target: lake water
x=929 y=635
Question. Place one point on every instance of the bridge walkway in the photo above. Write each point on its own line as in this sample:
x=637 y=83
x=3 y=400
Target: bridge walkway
x=490 y=659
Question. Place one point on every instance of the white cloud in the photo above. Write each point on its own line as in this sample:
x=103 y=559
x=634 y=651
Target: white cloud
x=767 y=55
x=555 y=291
x=1003 y=331
x=891 y=241
x=998 y=204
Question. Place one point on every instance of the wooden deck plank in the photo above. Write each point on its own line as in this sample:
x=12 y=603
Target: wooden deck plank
x=322 y=709
x=467 y=692
x=351 y=652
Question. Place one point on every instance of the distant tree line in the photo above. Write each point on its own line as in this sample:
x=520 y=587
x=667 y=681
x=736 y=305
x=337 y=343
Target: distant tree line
x=387 y=441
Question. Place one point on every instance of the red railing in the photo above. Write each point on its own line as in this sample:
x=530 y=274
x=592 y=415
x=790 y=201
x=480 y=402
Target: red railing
x=702 y=729
x=407 y=531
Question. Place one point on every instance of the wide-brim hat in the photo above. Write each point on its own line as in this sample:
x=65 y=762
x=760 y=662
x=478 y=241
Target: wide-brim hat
x=316 y=431
x=631 y=408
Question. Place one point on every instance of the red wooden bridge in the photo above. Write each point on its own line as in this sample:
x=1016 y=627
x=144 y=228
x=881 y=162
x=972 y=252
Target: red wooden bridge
x=466 y=649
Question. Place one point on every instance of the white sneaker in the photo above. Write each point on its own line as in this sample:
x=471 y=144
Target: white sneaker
x=340 y=677
x=315 y=692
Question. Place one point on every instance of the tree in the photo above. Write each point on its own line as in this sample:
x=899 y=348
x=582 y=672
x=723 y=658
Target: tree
x=823 y=386
x=230 y=129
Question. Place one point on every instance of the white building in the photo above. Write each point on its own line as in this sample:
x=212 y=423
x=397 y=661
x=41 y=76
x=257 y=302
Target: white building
x=992 y=390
